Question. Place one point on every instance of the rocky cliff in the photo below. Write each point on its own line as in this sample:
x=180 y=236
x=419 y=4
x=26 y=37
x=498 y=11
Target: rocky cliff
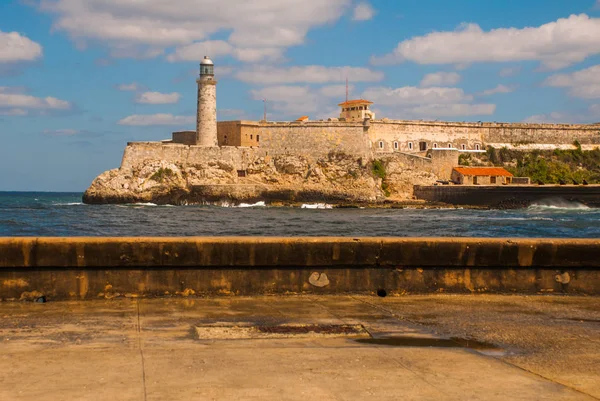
x=284 y=178
x=177 y=174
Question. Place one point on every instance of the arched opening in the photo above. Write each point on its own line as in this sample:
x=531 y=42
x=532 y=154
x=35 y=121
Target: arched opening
x=435 y=145
x=449 y=146
x=463 y=146
x=396 y=145
x=410 y=146
x=380 y=144
x=477 y=147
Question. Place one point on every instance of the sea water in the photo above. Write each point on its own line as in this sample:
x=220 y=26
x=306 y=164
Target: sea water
x=63 y=214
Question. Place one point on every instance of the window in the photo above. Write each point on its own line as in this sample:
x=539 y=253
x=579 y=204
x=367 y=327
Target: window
x=257 y=138
x=422 y=146
x=410 y=145
x=449 y=146
x=475 y=180
x=477 y=147
x=492 y=180
x=225 y=140
x=435 y=145
x=464 y=147
x=380 y=144
x=396 y=145
x=251 y=136
x=241 y=173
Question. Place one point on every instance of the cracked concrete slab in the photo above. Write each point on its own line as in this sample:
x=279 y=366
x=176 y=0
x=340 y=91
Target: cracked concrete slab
x=148 y=349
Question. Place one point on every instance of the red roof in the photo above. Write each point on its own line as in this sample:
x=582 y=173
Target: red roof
x=303 y=118
x=354 y=102
x=485 y=171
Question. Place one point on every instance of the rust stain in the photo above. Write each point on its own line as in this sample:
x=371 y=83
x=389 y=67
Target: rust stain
x=525 y=255
x=83 y=284
x=15 y=283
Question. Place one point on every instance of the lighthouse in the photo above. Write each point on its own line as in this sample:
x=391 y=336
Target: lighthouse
x=206 y=119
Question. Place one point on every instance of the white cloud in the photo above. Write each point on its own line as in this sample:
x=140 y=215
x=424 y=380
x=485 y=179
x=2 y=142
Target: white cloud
x=498 y=89
x=556 y=44
x=157 y=98
x=336 y=91
x=440 y=79
x=289 y=100
x=13 y=101
x=196 y=51
x=145 y=120
x=583 y=84
x=133 y=28
x=453 y=110
x=434 y=102
x=13 y=112
x=61 y=132
x=362 y=12
x=132 y=87
x=588 y=116
x=217 y=48
x=410 y=95
x=17 y=48
x=307 y=74
x=509 y=71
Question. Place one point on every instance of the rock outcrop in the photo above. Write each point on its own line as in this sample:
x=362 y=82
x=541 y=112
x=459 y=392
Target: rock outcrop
x=336 y=178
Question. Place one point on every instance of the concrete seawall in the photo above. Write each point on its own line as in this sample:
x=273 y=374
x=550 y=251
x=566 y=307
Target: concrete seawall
x=508 y=196
x=87 y=268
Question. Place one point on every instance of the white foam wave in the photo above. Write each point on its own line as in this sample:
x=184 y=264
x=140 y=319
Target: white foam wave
x=257 y=204
x=316 y=206
x=557 y=205
x=69 y=204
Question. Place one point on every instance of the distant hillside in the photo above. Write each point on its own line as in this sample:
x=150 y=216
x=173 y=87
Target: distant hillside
x=550 y=167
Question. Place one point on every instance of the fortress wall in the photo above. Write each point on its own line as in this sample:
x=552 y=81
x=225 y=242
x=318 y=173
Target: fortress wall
x=441 y=134
x=440 y=163
x=313 y=139
x=471 y=134
x=542 y=134
x=137 y=152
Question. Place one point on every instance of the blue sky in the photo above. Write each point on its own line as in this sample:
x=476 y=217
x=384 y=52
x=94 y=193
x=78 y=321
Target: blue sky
x=81 y=78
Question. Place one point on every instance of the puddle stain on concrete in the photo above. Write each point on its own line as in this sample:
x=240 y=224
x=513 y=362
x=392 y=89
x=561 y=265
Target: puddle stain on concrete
x=242 y=331
x=426 y=342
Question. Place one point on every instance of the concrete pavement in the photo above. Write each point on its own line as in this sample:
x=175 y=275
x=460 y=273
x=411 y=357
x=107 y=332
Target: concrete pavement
x=504 y=347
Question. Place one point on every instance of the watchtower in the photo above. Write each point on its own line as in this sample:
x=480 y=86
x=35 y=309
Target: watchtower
x=206 y=121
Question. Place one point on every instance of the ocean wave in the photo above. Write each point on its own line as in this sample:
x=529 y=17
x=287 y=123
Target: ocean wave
x=558 y=205
x=257 y=204
x=316 y=206
x=69 y=204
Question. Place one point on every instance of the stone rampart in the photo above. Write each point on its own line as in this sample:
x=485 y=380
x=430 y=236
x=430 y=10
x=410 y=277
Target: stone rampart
x=314 y=139
x=87 y=268
x=469 y=136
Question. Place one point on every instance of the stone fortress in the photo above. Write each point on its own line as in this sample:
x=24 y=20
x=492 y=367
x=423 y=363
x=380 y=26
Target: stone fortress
x=304 y=160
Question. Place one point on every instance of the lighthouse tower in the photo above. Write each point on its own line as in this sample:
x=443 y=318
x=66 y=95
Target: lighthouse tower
x=206 y=120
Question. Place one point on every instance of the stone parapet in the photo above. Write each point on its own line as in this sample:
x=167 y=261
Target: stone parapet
x=67 y=268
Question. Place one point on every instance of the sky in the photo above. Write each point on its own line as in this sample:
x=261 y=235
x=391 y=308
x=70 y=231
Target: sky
x=81 y=78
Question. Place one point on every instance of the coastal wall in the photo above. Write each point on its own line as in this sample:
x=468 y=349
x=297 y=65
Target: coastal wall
x=88 y=268
x=509 y=196
x=137 y=153
x=474 y=135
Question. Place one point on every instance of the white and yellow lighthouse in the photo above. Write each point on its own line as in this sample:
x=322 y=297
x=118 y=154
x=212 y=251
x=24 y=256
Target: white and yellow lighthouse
x=206 y=120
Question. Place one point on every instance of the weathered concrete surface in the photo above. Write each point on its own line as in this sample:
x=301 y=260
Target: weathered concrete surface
x=77 y=268
x=146 y=349
x=508 y=196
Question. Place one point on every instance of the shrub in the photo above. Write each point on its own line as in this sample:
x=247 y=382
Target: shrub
x=379 y=169
x=161 y=174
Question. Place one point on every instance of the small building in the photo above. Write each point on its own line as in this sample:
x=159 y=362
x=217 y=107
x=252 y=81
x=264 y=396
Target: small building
x=356 y=110
x=302 y=119
x=481 y=176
